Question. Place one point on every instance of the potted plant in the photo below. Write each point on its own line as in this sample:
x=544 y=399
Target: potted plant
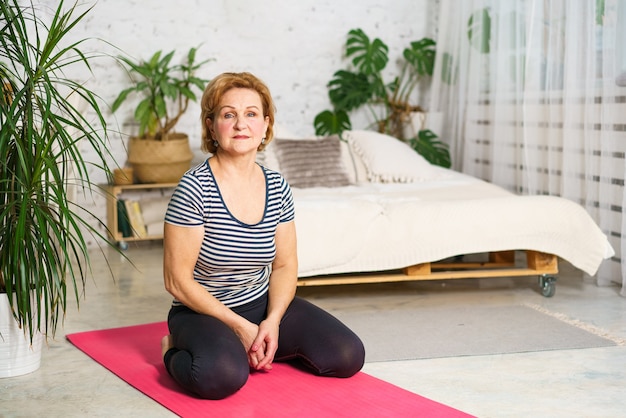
x=157 y=153
x=43 y=250
x=390 y=103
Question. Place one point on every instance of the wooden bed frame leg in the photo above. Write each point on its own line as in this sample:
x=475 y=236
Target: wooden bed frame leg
x=542 y=262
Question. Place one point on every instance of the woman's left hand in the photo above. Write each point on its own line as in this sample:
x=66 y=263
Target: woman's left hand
x=263 y=349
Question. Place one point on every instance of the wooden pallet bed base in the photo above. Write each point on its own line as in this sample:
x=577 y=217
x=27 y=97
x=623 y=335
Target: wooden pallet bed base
x=500 y=264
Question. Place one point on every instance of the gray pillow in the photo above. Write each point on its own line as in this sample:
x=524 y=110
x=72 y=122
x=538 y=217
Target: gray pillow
x=312 y=162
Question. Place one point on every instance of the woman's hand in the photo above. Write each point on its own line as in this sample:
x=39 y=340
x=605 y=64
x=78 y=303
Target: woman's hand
x=261 y=352
x=254 y=341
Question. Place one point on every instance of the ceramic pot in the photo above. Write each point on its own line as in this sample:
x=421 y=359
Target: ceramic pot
x=17 y=355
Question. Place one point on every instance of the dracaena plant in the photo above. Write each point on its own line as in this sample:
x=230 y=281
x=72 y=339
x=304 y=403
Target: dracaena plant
x=43 y=134
x=166 y=89
x=389 y=103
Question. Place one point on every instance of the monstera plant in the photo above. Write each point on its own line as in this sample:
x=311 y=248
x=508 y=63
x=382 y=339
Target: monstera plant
x=390 y=103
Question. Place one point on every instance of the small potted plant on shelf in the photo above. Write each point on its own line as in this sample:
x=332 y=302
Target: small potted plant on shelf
x=157 y=153
x=390 y=103
x=43 y=246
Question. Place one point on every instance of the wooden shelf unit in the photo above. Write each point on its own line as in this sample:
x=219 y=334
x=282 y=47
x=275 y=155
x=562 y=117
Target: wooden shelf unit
x=113 y=192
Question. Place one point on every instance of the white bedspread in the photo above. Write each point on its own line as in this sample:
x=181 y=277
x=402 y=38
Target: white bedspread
x=376 y=227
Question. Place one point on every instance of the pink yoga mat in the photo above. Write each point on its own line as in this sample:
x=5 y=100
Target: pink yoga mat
x=134 y=354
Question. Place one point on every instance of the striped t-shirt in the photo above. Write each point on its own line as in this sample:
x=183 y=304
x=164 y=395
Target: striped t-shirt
x=235 y=259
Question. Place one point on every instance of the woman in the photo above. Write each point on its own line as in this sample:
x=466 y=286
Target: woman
x=230 y=259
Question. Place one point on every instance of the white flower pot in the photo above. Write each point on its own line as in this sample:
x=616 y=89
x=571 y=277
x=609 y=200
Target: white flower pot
x=17 y=355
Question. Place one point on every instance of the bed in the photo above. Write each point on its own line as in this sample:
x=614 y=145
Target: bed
x=369 y=209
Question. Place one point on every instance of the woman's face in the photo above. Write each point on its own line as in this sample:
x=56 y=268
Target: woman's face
x=239 y=124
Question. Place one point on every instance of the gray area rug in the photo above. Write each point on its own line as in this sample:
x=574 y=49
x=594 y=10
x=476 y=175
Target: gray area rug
x=431 y=332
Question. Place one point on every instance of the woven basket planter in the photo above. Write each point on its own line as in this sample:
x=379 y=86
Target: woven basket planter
x=160 y=161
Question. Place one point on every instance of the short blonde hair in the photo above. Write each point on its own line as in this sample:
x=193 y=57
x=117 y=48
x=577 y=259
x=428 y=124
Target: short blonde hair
x=214 y=92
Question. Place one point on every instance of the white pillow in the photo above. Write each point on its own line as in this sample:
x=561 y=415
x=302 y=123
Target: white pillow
x=389 y=160
x=354 y=166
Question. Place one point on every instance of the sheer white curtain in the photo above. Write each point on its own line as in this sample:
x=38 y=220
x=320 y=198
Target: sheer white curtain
x=533 y=96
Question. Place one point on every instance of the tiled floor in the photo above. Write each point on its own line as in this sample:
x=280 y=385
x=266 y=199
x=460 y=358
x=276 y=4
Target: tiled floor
x=572 y=383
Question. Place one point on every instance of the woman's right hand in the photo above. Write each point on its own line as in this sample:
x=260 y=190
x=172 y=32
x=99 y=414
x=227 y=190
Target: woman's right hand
x=247 y=334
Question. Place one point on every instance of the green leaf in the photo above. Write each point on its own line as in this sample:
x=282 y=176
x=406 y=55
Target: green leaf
x=378 y=88
x=434 y=151
x=165 y=61
x=143 y=114
x=160 y=107
x=187 y=93
x=153 y=62
x=329 y=123
x=369 y=57
x=421 y=56
x=191 y=55
x=198 y=82
x=121 y=98
x=348 y=91
x=133 y=66
x=168 y=89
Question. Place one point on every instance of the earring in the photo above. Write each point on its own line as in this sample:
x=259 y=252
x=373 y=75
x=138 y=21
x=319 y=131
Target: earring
x=263 y=141
x=216 y=143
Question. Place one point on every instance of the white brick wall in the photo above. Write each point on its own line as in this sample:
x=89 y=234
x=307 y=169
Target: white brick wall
x=294 y=46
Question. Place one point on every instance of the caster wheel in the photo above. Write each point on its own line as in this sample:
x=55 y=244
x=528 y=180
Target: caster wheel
x=548 y=286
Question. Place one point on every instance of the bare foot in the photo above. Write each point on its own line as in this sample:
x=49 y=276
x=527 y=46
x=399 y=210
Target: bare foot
x=167 y=342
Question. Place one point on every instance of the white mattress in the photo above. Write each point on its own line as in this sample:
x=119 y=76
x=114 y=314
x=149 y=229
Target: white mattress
x=377 y=227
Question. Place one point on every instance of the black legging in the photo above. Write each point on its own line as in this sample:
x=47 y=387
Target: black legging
x=210 y=361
